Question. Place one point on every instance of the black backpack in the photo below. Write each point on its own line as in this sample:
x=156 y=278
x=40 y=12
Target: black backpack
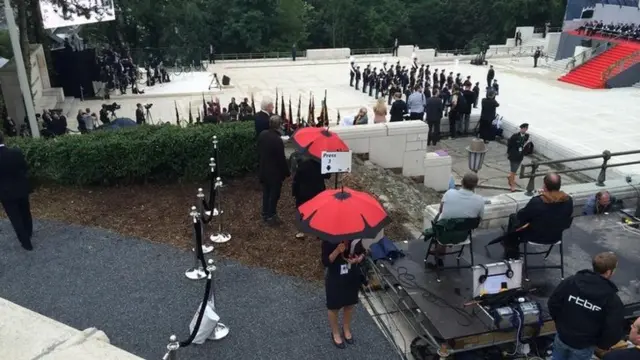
x=461 y=105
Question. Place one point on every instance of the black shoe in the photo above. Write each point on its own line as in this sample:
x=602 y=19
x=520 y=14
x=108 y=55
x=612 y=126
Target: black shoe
x=338 y=345
x=27 y=247
x=350 y=340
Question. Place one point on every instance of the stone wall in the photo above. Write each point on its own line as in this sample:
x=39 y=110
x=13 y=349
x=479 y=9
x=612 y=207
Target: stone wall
x=498 y=208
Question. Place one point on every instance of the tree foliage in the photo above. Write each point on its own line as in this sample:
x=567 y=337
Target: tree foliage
x=235 y=26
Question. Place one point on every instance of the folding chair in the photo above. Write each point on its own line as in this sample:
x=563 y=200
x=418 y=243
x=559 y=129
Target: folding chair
x=453 y=234
x=546 y=253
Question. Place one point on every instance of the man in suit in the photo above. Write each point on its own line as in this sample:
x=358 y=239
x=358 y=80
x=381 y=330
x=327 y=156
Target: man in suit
x=434 y=108
x=262 y=117
x=273 y=168
x=14 y=192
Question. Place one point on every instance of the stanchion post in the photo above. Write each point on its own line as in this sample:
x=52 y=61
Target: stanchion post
x=216 y=156
x=201 y=208
x=221 y=236
x=221 y=330
x=210 y=206
x=172 y=347
x=197 y=272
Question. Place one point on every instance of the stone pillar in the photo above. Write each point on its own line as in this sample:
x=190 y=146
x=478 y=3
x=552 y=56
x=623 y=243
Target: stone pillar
x=437 y=170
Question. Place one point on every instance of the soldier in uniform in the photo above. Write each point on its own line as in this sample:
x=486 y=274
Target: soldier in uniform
x=443 y=78
x=398 y=67
x=365 y=78
x=352 y=71
x=435 y=77
x=373 y=80
x=358 y=77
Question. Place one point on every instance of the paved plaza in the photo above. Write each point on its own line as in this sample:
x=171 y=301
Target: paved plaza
x=565 y=120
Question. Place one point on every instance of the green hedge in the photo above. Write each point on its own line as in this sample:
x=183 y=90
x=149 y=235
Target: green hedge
x=140 y=154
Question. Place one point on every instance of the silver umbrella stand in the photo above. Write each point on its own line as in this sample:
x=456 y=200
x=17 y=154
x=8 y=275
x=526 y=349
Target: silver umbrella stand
x=201 y=205
x=221 y=236
x=172 y=349
x=196 y=272
x=210 y=328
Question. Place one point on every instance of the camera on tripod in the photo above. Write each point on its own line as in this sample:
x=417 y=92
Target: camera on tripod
x=112 y=107
x=148 y=106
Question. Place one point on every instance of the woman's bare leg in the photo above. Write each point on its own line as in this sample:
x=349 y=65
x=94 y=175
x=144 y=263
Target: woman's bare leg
x=335 y=328
x=346 y=321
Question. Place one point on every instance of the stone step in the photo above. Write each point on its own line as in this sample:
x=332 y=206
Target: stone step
x=637 y=85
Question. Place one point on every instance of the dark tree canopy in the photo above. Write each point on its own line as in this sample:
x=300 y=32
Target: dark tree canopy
x=236 y=26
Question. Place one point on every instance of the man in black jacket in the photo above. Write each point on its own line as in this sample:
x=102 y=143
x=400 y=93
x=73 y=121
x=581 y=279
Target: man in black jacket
x=273 y=168
x=434 y=109
x=491 y=74
x=517 y=148
x=262 y=117
x=587 y=311
x=14 y=192
x=542 y=220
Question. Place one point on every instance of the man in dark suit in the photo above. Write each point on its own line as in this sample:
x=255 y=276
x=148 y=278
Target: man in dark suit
x=434 y=108
x=273 y=168
x=14 y=192
x=262 y=117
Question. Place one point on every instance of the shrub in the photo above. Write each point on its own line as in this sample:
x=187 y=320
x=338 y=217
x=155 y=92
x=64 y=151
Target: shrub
x=140 y=154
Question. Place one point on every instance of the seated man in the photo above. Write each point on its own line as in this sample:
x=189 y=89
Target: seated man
x=542 y=220
x=587 y=311
x=601 y=202
x=460 y=204
x=630 y=353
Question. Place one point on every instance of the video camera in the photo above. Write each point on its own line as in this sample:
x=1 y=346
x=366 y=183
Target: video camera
x=148 y=106
x=112 y=107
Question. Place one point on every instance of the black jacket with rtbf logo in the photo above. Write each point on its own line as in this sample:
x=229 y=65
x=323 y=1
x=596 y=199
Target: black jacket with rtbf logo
x=587 y=311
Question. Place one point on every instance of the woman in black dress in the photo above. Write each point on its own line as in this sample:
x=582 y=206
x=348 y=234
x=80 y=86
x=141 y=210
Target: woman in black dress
x=308 y=181
x=342 y=281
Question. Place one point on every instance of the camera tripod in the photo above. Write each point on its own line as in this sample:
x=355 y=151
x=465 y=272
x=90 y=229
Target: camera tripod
x=148 y=117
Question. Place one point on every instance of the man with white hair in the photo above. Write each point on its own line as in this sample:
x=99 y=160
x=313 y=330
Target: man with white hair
x=262 y=117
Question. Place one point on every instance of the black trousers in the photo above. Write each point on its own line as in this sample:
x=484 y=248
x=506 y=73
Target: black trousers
x=19 y=214
x=416 y=116
x=434 y=132
x=270 y=197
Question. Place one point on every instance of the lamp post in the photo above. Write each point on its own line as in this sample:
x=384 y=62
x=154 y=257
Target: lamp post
x=477 y=150
x=25 y=88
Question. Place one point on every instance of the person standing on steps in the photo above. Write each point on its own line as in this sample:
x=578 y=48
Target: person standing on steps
x=14 y=192
x=491 y=74
x=293 y=52
x=517 y=148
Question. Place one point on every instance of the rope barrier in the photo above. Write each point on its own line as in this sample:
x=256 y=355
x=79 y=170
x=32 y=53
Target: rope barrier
x=197 y=226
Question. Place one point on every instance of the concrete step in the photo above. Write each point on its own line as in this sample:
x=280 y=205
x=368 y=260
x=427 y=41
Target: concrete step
x=637 y=85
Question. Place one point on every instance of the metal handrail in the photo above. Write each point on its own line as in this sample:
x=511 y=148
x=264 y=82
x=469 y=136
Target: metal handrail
x=602 y=176
x=593 y=52
x=621 y=65
x=372 y=51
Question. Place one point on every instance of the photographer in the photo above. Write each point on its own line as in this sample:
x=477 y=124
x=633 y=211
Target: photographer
x=104 y=115
x=140 y=115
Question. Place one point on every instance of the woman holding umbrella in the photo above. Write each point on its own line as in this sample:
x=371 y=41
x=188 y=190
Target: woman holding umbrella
x=342 y=282
x=338 y=217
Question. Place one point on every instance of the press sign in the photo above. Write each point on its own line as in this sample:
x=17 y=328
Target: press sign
x=333 y=162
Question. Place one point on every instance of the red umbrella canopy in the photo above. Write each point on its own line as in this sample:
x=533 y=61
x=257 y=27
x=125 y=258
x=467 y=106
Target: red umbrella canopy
x=314 y=141
x=342 y=214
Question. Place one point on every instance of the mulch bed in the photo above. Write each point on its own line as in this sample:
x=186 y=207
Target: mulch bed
x=159 y=213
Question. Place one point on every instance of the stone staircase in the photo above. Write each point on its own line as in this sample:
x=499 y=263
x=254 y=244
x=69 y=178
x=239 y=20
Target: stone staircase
x=637 y=85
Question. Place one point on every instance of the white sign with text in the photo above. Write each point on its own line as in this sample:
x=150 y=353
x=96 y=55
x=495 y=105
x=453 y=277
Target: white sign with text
x=334 y=162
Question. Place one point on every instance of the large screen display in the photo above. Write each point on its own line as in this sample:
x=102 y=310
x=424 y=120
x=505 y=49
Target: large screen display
x=76 y=12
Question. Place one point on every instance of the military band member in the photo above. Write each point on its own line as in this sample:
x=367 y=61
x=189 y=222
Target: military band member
x=421 y=71
x=435 y=77
x=352 y=72
x=373 y=79
x=384 y=66
x=443 y=78
x=398 y=68
x=458 y=80
x=467 y=82
x=365 y=78
x=358 y=77
x=450 y=79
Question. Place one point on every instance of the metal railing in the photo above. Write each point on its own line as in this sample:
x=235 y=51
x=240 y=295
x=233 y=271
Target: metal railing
x=602 y=176
x=621 y=65
x=550 y=29
x=581 y=58
x=261 y=56
x=190 y=55
x=372 y=51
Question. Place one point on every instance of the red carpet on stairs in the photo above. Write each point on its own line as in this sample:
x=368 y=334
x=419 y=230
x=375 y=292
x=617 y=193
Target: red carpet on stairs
x=589 y=74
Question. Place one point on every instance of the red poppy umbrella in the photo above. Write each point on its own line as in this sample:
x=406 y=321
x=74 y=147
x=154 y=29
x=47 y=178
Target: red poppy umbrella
x=314 y=141
x=342 y=214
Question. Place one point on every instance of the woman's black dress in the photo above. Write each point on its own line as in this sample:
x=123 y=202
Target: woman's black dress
x=308 y=181
x=341 y=281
